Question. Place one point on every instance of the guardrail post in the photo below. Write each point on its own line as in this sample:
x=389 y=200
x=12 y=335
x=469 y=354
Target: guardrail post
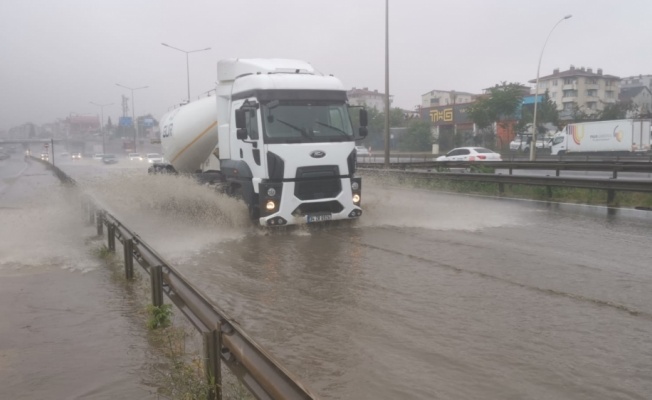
x=128 y=246
x=615 y=174
x=611 y=197
x=100 y=223
x=212 y=363
x=156 y=278
x=110 y=232
x=91 y=214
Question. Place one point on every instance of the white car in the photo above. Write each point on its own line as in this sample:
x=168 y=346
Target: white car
x=154 y=158
x=135 y=157
x=362 y=151
x=98 y=156
x=470 y=154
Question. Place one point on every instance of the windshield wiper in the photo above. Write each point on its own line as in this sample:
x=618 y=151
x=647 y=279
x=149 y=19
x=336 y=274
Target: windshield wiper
x=303 y=133
x=333 y=128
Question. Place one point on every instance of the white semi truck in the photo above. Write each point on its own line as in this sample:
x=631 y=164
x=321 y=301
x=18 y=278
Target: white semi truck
x=618 y=136
x=278 y=135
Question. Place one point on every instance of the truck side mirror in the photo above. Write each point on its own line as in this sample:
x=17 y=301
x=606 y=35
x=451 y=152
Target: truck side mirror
x=241 y=124
x=363 y=131
x=363 y=117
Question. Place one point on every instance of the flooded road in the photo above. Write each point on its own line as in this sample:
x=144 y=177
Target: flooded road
x=67 y=331
x=429 y=296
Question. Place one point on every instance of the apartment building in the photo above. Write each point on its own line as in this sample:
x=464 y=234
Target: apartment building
x=636 y=81
x=579 y=87
x=436 y=98
x=368 y=98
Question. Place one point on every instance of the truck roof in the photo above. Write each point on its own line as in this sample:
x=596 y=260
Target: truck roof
x=232 y=68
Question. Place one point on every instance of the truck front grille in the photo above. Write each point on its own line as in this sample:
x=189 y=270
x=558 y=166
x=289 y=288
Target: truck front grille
x=318 y=188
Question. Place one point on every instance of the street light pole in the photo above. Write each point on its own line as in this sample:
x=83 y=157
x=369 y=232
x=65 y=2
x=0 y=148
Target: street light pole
x=533 y=143
x=187 y=62
x=387 y=142
x=133 y=112
x=101 y=106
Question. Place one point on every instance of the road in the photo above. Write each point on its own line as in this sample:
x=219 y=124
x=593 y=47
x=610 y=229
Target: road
x=67 y=330
x=429 y=296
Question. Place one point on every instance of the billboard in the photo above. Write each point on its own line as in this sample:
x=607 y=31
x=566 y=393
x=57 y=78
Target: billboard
x=125 y=121
x=454 y=114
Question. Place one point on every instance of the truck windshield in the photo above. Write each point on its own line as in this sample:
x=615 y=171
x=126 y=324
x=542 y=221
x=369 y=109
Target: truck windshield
x=298 y=121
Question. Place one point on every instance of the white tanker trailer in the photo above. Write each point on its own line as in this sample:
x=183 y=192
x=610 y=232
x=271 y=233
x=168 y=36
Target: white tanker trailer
x=276 y=134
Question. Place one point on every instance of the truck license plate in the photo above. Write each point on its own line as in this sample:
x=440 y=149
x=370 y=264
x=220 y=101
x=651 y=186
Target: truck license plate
x=319 y=217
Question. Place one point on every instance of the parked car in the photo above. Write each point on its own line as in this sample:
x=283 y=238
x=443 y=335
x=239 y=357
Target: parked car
x=76 y=156
x=135 y=157
x=362 y=151
x=470 y=154
x=154 y=158
x=98 y=156
x=109 y=159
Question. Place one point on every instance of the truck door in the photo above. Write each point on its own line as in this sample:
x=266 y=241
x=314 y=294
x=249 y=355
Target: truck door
x=250 y=150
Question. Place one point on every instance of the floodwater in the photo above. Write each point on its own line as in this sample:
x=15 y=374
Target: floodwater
x=67 y=331
x=429 y=296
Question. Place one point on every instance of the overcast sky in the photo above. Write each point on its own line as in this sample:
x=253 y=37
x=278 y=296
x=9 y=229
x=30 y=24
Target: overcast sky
x=56 y=56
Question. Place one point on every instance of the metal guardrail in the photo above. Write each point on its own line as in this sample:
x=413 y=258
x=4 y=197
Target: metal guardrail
x=557 y=166
x=608 y=184
x=224 y=340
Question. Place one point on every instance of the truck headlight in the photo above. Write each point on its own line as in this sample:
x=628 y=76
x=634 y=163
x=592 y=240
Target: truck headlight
x=356 y=198
x=270 y=205
x=355 y=186
x=271 y=192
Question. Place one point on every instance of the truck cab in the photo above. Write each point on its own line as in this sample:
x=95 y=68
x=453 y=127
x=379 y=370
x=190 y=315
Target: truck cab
x=279 y=135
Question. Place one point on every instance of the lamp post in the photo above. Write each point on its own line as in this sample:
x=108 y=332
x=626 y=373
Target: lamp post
x=387 y=141
x=133 y=112
x=101 y=106
x=533 y=143
x=187 y=62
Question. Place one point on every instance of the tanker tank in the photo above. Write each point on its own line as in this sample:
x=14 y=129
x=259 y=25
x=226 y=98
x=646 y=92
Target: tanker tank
x=189 y=134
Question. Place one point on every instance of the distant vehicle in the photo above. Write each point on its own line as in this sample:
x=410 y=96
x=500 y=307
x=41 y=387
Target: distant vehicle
x=64 y=155
x=135 y=157
x=362 y=151
x=76 y=156
x=520 y=143
x=470 y=154
x=98 y=156
x=617 y=136
x=154 y=158
x=45 y=157
x=109 y=159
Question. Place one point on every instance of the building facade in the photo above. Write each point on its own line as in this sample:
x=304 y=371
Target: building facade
x=436 y=98
x=368 y=98
x=579 y=89
x=636 y=81
x=641 y=97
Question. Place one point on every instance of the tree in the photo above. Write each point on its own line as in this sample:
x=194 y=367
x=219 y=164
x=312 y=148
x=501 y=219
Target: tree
x=617 y=110
x=498 y=106
x=546 y=113
x=418 y=136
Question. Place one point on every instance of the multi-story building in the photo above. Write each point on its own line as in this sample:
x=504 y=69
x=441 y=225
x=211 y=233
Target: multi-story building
x=641 y=97
x=435 y=98
x=636 y=81
x=579 y=89
x=368 y=98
